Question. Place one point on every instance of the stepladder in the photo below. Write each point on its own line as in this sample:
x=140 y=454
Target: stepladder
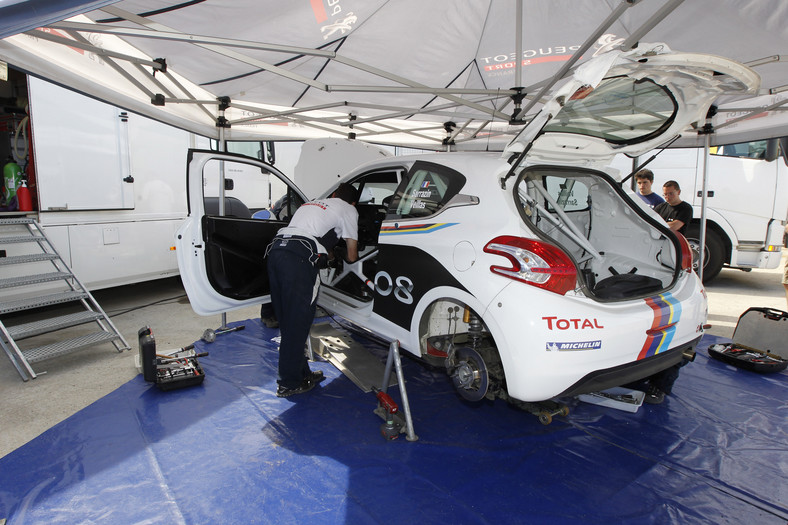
x=41 y=298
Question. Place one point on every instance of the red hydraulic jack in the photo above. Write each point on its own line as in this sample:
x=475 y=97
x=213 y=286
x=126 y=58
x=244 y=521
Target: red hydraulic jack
x=389 y=429
x=387 y=407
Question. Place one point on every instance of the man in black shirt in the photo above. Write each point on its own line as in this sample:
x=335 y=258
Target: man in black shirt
x=676 y=212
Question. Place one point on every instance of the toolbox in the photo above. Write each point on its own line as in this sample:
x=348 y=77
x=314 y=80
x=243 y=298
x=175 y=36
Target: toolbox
x=760 y=342
x=168 y=370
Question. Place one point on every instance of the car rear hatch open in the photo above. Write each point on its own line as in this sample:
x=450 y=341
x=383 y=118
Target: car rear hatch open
x=617 y=103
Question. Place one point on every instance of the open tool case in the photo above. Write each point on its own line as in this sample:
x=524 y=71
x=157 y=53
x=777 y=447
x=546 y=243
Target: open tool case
x=759 y=342
x=172 y=369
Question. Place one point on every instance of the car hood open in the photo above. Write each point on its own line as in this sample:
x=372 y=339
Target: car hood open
x=629 y=102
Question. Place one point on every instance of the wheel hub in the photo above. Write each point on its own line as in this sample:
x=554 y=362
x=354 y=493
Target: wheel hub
x=470 y=376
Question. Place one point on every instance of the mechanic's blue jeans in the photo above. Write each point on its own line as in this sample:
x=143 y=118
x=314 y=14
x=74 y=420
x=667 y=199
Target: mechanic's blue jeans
x=293 y=280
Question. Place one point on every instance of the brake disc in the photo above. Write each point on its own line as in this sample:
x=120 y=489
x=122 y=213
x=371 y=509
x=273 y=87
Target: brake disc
x=470 y=374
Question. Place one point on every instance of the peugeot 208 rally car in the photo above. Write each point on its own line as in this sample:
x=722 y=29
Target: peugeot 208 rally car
x=529 y=275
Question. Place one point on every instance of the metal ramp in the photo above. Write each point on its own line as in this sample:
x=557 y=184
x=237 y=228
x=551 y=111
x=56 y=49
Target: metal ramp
x=349 y=356
x=35 y=262
x=368 y=373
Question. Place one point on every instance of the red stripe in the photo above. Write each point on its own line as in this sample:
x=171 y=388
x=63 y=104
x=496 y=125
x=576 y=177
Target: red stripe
x=319 y=10
x=657 y=309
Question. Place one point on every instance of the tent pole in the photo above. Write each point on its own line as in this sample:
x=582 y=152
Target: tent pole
x=614 y=15
x=518 y=68
x=649 y=24
x=707 y=131
x=222 y=148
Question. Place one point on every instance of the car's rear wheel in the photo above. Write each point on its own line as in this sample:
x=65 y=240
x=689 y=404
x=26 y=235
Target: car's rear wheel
x=472 y=360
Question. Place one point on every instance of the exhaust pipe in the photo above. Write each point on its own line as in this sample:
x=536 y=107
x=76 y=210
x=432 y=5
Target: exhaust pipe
x=689 y=354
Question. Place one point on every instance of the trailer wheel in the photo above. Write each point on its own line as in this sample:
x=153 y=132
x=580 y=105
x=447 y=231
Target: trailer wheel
x=714 y=253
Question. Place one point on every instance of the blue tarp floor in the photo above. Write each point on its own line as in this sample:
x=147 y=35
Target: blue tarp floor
x=229 y=451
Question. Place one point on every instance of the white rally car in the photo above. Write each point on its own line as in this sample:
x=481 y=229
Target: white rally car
x=531 y=274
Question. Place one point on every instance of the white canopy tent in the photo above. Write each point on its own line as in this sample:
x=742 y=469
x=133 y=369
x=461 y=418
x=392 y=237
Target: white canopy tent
x=404 y=72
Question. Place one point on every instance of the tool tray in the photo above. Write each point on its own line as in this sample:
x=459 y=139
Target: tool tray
x=760 y=342
x=179 y=374
x=168 y=370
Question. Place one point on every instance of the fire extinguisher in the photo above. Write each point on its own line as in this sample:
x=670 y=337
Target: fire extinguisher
x=23 y=198
x=12 y=178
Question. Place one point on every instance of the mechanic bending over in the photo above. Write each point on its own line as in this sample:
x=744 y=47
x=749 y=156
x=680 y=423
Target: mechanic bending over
x=295 y=257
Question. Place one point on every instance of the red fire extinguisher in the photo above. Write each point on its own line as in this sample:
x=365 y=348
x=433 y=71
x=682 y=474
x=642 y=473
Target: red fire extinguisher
x=23 y=198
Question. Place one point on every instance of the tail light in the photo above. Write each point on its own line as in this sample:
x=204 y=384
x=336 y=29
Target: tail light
x=686 y=253
x=534 y=262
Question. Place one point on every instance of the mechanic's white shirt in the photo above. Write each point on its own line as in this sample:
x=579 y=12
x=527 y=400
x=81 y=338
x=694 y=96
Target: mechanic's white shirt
x=314 y=219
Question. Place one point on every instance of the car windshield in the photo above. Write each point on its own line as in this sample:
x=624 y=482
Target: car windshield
x=620 y=110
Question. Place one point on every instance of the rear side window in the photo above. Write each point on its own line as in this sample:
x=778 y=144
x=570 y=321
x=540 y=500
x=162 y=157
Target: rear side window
x=426 y=190
x=569 y=194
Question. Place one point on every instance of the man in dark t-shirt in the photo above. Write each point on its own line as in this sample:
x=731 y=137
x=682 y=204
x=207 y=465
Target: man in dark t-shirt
x=676 y=212
x=644 y=179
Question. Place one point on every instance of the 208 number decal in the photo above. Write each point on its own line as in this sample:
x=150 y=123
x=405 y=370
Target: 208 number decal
x=401 y=286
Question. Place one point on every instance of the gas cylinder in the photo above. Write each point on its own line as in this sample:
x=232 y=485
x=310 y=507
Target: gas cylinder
x=23 y=198
x=12 y=178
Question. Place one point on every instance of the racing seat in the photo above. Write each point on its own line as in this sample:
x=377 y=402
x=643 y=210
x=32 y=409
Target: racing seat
x=233 y=207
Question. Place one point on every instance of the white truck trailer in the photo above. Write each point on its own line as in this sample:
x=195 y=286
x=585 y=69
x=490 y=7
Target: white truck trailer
x=108 y=186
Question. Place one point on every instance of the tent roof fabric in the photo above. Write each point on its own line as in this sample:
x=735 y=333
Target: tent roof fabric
x=405 y=72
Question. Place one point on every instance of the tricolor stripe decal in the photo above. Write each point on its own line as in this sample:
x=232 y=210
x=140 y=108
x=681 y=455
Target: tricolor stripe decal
x=412 y=229
x=667 y=312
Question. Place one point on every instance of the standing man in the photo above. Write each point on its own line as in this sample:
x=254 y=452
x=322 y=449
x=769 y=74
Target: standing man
x=295 y=257
x=678 y=215
x=644 y=179
x=675 y=211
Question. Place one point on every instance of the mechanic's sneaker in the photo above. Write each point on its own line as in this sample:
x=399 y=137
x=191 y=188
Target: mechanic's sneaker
x=654 y=396
x=315 y=376
x=309 y=382
x=270 y=322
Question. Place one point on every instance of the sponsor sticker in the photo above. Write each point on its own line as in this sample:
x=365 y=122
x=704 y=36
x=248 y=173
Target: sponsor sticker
x=557 y=346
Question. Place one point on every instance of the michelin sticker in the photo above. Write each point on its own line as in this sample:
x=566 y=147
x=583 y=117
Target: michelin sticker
x=576 y=345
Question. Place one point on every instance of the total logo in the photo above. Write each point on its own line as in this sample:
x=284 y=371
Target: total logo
x=556 y=323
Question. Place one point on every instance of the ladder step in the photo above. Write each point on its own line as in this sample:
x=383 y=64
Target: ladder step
x=52 y=324
x=21 y=259
x=33 y=279
x=49 y=321
x=18 y=220
x=25 y=238
x=44 y=300
x=67 y=346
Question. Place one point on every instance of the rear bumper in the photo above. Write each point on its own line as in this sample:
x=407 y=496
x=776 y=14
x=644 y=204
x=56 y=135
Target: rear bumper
x=630 y=372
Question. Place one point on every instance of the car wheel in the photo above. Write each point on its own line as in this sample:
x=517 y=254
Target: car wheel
x=713 y=254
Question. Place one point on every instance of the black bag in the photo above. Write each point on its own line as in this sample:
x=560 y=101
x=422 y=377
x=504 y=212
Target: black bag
x=623 y=285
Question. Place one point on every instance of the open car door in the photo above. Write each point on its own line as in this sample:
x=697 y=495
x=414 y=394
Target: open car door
x=236 y=206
